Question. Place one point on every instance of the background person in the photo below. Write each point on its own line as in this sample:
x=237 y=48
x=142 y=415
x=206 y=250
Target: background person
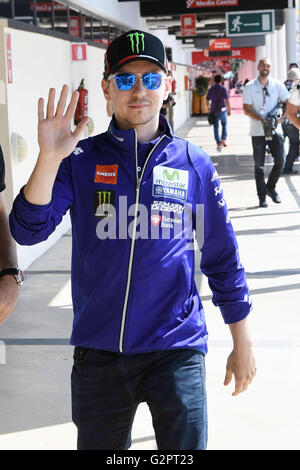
x=168 y=104
x=10 y=275
x=260 y=97
x=293 y=105
x=218 y=102
x=139 y=329
x=289 y=130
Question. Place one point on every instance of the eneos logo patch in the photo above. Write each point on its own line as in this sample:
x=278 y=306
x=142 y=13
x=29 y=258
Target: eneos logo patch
x=106 y=174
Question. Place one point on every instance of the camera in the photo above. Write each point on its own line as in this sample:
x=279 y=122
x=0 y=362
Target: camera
x=270 y=122
x=269 y=125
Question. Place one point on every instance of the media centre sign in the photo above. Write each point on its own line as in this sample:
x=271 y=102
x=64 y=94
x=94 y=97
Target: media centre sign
x=181 y=7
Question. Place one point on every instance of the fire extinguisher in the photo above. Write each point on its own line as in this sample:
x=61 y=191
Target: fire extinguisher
x=174 y=86
x=82 y=104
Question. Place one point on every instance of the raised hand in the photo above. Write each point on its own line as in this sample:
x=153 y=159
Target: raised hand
x=55 y=137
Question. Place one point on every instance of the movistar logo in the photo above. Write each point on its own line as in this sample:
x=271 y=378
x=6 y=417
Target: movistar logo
x=137 y=40
x=171 y=176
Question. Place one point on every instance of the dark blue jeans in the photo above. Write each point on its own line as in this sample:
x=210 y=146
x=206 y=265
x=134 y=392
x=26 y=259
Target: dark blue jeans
x=221 y=117
x=108 y=387
x=277 y=150
x=290 y=131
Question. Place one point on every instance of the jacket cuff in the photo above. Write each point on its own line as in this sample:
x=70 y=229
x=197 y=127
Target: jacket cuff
x=236 y=311
x=30 y=204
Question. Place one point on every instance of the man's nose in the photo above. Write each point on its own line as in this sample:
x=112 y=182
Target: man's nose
x=138 y=86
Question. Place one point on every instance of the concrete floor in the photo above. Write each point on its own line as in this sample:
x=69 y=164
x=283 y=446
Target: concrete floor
x=35 y=385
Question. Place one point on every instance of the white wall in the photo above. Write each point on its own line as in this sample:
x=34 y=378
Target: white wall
x=38 y=63
x=181 y=111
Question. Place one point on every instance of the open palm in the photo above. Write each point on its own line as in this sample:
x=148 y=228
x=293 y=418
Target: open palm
x=55 y=137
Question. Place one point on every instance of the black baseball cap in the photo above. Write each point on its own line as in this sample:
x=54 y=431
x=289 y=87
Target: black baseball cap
x=134 y=45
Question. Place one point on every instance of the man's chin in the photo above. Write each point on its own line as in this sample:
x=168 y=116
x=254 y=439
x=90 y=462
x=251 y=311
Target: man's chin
x=139 y=119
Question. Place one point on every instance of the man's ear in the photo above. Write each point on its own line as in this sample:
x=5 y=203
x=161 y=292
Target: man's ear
x=168 y=84
x=105 y=89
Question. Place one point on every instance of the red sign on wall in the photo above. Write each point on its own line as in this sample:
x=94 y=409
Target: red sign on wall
x=211 y=3
x=246 y=53
x=79 y=51
x=74 y=26
x=219 y=44
x=8 y=58
x=188 y=25
x=46 y=7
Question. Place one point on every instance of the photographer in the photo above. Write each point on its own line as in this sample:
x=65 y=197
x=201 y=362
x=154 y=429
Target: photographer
x=260 y=98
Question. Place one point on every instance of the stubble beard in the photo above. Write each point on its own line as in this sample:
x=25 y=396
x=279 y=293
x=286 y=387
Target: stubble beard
x=264 y=74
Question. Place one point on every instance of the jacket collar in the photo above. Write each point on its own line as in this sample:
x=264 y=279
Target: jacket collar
x=126 y=138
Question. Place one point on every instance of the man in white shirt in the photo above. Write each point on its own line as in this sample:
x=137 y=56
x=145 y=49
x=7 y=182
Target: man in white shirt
x=260 y=97
x=294 y=105
x=289 y=129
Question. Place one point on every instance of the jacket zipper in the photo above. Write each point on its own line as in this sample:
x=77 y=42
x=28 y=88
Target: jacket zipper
x=137 y=197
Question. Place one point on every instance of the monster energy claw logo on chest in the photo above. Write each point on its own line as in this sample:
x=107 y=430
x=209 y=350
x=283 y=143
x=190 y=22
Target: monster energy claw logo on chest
x=104 y=204
x=136 y=42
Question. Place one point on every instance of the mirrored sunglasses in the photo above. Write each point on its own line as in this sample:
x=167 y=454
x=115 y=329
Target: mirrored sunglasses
x=126 y=81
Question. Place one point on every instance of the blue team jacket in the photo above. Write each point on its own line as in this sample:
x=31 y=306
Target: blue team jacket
x=132 y=271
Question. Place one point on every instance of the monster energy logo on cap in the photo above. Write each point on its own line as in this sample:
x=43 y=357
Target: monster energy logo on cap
x=137 y=40
x=104 y=204
x=134 y=45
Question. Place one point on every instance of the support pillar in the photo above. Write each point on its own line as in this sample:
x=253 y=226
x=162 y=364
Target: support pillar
x=281 y=54
x=274 y=55
x=290 y=30
x=268 y=47
x=260 y=53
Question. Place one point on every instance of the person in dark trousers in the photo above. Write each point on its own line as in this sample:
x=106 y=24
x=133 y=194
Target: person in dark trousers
x=10 y=275
x=218 y=102
x=139 y=328
x=261 y=96
x=289 y=130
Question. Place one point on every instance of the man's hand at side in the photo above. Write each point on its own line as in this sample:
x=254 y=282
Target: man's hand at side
x=8 y=259
x=241 y=361
x=8 y=296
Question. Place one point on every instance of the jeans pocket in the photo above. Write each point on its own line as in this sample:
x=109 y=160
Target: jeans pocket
x=80 y=355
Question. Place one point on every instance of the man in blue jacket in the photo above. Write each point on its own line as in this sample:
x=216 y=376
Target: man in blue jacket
x=136 y=193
